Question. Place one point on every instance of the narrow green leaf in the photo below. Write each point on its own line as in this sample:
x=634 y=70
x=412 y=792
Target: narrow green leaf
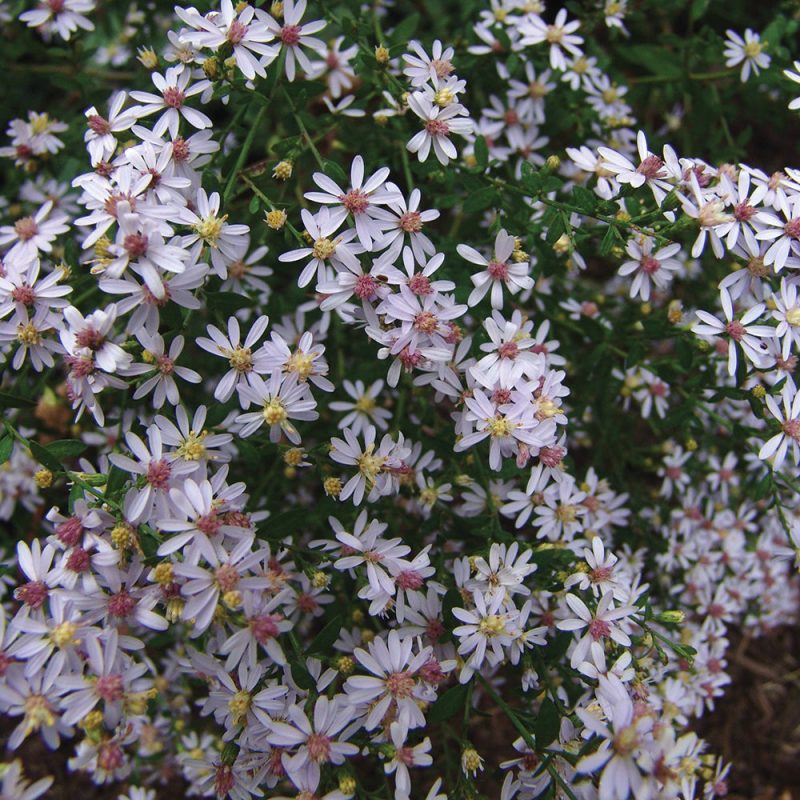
x=448 y=704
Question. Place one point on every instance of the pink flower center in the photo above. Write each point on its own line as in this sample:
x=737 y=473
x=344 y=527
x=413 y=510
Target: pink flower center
x=744 y=212
x=552 y=456
x=290 y=34
x=24 y=294
x=658 y=389
x=152 y=300
x=410 y=222
x=135 y=244
x=442 y=68
x=365 y=286
x=508 y=350
x=173 y=97
x=265 y=627
x=409 y=359
x=425 y=322
x=90 y=337
x=434 y=630
x=236 y=32
x=158 y=474
x=511 y=117
x=435 y=127
x=110 y=757
x=109 y=687
x=650 y=167
x=497 y=269
x=69 y=531
x=227 y=577
x=56 y=6
x=792 y=228
x=400 y=684
x=113 y=200
x=78 y=560
x=319 y=747
x=501 y=396
x=599 y=629
x=180 y=149
x=409 y=579
x=332 y=60
x=649 y=264
x=33 y=594
x=26 y=228
x=355 y=201
x=166 y=366
x=99 y=125
x=209 y=524
x=224 y=780
x=121 y=604
x=80 y=367
x=431 y=671
x=420 y=285
x=792 y=429
x=736 y=330
x=600 y=574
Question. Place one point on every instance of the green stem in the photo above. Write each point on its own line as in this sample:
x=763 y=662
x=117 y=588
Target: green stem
x=240 y=159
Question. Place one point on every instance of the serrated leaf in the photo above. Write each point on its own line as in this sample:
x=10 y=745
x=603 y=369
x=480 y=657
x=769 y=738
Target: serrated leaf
x=327 y=636
x=547 y=724
x=66 y=448
x=448 y=703
x=6 y=446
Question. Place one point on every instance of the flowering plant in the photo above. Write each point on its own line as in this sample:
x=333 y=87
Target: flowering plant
x=371 y=375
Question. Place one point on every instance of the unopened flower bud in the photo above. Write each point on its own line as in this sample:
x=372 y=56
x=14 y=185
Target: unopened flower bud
x=211 y=68
x=276 y=219
x=553 y=163
x=345 y=665
x=347 y=784
x=561 y=246
x=282 y=171
x=276 y=9
x=382 y=55
x=293 y=456
x=332 y=486
x=691 y=444
x=148 y=58
x=758 y=391
x=675 y=311
x=319 y=580
x=672 y=617
x=44 y=478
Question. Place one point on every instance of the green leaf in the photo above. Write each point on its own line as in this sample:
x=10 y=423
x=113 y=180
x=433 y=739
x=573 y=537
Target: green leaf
x=283 y=524
x=610 y=240
x=66 y=448
x=6 y=446
x=655 y=58
x=584 y=199
x=327 y=636
x=448 y=704
x=699 y=8
x=227 y=303
x=15 y=401
x=481 y=199
x=547 y=724
x=333 y=170
x=255 y=204
x=116 y=480
x=405 y=30
x=45 y=457
x=481 y=151
x=302 y=677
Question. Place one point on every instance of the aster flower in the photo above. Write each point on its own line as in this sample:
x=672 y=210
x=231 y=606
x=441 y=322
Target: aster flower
x=364 y=411
x=29 y=236
x=293 y=36
x=649 y=267
x=440 y=123
x=788 y=439
x=747 y=51
x=63 y=17
x=560 y=36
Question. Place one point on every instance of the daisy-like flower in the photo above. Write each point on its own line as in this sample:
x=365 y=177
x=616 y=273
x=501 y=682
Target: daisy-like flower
x=741 y=332
x=157 y=358
x=282 y=399
x=319 y=740
x=423 y=68
x=15 y=787
x=327 y=249
x=650 y=267
x=175 y=89
x=31 y=336
x=242 y=360
x=499 y=271
x=29 y=236
x=293 y=37
x=484 y=634
x=335 y=67
x=784 y=233
x=226 y=243
x=794 y=76
x=192 y=442
x=237 y=28
x=394 y=686
x=747 y=51
x=405 y=756
x=788 y=438
x=560 y=36
x=712 y=219
x=658 y=173
x=62 y=16
x=407 y=224
x=440 y=123
x=600 y=625
x=364 y=410
x=99 y=137
x=360 y=199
